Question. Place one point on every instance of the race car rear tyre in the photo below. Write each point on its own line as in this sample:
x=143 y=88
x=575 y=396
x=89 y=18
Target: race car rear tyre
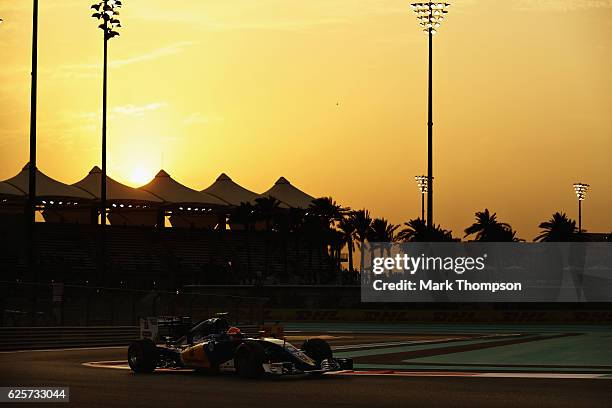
x=317 y=349
x=249 y=359
x=143 y=356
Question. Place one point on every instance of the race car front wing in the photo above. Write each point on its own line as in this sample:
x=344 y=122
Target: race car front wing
x=327 y=365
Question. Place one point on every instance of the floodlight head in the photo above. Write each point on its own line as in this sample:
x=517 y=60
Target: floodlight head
x=581 y=189
x=430 y=14
x=107 y=11
x=422 y=183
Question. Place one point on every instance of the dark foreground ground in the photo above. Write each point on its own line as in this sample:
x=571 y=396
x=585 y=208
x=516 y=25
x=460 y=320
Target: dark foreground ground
x=107 y=387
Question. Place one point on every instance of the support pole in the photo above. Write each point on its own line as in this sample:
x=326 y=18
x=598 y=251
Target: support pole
x=579 y=216
x=423 y=206
x=30 y=210
x=102 y=266
x=430 y=138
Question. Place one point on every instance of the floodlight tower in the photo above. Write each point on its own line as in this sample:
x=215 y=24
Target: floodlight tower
x=580 y=189
x=422 y=184
x=106 y=11
x=31 y=210
x=430 y=15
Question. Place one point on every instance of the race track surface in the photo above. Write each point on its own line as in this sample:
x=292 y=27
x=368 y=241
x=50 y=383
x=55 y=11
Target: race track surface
x=106 y=387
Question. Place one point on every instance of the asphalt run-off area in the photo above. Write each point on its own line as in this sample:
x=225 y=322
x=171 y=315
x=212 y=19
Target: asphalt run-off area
x=395 y=365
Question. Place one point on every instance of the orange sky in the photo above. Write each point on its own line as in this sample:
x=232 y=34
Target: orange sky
x=523 y=93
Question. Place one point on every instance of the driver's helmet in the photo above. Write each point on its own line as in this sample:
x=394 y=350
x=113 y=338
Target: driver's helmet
x=234 y=333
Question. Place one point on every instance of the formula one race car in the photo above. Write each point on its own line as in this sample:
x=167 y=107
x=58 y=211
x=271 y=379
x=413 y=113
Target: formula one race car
x=213 y=346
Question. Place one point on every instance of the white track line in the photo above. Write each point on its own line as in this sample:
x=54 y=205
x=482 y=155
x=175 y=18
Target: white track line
x=61 y=349
x=544 y=375
x=122 y=365
x=417 y=342
x=394 y=343
x=474 y=374
x=116 y=364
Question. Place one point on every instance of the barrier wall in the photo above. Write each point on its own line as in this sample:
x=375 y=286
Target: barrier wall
x=56 y=305
x=29 y=305
x=442 y=316
x=28 y=338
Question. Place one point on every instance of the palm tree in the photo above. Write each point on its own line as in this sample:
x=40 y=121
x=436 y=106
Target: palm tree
x=559 y=228
x=266 y=210
x=362 y=222
x=321 y=217
x=327 y=210
x=347 y=229
x=336 y=242
x=382 y=231
x=416 y=230
x=488 y=229
x=439 y=234
x=507 y=234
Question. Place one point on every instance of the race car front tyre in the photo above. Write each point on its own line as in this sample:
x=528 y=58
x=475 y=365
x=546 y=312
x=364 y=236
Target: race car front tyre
x=249 y=359
x=143 y=356
x=317 y=349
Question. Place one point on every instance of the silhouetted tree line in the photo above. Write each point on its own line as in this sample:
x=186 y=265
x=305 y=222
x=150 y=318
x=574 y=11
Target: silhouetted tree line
x=329 y=227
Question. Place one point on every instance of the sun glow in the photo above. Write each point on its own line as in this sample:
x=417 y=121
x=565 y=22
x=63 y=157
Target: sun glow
x=140 y=176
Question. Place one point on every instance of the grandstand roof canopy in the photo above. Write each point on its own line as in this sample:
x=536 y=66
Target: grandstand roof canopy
x=291 y=196
x=46 y=187
x=115 y=191
x=171 y=191
x=230 y=192
x=8 y=190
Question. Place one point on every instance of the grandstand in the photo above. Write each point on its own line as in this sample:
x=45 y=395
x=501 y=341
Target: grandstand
x=140 y=249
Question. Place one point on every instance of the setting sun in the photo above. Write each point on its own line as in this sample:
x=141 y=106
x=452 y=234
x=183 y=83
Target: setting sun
x=139 y=176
